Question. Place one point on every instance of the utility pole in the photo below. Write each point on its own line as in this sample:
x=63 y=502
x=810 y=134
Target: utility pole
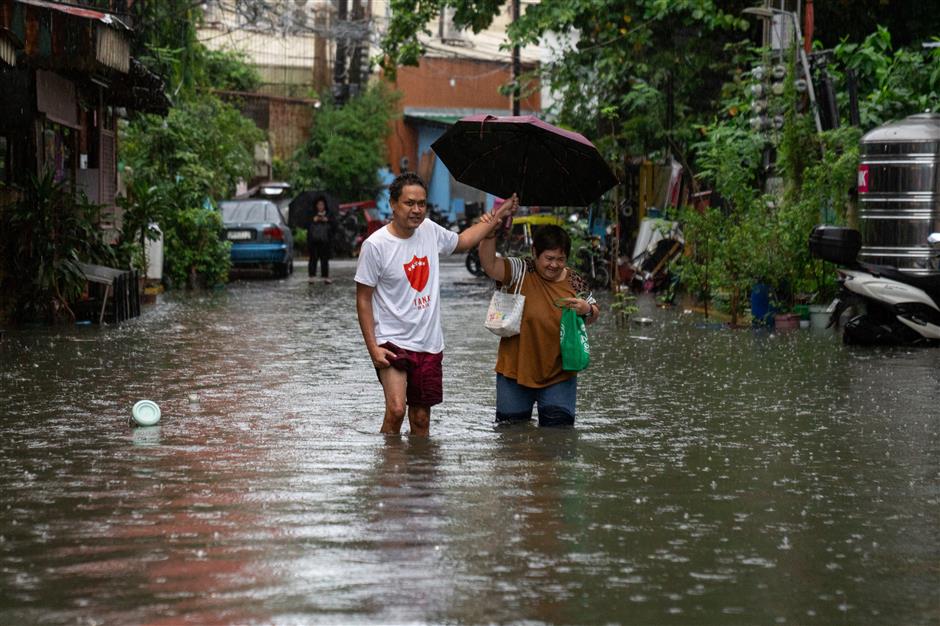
x=355 y=62
x=340 y=87
x=516 y=65
x=321 y=69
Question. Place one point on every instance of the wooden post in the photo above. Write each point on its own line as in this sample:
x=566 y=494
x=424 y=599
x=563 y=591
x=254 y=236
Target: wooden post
x=516 y=66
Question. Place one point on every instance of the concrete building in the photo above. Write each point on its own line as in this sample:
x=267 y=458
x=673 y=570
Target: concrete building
x=66 y=75
x=313 y=47
x=460 y=74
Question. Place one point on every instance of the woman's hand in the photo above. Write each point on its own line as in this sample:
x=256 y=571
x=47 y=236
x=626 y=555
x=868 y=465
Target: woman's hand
x=581 y=307
x=486 y=226
x=507 y=208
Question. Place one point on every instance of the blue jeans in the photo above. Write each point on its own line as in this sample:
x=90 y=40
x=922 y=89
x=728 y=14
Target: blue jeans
x=556 y=402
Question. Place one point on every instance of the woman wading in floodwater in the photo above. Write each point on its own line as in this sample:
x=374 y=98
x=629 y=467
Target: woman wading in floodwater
x=528 y=365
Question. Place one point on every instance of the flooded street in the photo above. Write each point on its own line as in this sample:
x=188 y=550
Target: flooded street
x=714 y=477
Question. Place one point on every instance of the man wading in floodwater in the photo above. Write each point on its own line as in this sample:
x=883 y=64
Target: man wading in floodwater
x=398 y=301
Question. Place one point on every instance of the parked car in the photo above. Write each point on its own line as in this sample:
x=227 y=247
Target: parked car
x=278 y=192
x=259 y=235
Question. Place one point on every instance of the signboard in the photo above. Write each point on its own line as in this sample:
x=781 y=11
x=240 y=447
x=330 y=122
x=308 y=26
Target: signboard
x=863 y=179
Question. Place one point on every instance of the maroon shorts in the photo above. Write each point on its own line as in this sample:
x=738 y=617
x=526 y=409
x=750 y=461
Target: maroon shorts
x=425 y=374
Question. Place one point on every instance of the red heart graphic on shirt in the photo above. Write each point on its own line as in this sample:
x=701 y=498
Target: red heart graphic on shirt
x=417 y=270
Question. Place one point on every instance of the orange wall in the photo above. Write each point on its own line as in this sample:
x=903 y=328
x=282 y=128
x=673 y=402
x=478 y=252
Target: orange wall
x=475 y=86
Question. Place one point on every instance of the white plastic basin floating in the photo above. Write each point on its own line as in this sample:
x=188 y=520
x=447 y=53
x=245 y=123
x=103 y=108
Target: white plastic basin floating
x=146 y=413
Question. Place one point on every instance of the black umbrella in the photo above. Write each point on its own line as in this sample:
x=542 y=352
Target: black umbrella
x=544 y=164
x=301 y=207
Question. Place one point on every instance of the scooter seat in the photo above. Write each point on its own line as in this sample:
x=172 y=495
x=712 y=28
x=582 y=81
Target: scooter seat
x=928 y=284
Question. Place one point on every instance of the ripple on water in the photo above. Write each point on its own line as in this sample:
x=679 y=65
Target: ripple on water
x=713 y=474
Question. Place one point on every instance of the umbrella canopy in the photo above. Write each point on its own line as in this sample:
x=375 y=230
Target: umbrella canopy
x=301 y=207
x=544 y=164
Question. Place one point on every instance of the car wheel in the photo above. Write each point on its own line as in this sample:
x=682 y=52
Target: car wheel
x=281 y=270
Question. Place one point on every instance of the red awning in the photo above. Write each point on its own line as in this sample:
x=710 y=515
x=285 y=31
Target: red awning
x=106 y=18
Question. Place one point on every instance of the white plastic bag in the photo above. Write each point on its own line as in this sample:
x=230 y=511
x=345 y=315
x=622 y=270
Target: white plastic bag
x=504 y=315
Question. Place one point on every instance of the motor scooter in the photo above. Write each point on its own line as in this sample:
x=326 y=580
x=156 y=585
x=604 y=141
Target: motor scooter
x=886 y=306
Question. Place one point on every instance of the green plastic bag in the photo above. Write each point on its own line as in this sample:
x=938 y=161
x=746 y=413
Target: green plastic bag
x=575 y=351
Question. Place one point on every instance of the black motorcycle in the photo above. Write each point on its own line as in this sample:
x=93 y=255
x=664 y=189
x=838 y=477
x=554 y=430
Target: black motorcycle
x=473 y=263
x=593 y=264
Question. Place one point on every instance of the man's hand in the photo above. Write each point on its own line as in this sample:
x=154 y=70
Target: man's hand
x=380 y=357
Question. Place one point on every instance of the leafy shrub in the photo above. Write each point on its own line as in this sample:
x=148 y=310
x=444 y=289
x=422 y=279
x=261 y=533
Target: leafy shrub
x=43 y=237
x=300 y=240
x=195 y=252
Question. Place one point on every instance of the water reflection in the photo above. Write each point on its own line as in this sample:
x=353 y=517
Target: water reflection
x=714 y=477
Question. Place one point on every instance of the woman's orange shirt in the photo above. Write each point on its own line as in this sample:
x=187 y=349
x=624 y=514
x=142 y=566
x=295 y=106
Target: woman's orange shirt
x=533 y=357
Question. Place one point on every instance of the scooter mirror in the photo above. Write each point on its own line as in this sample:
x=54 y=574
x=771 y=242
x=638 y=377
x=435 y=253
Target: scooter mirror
x=933 y=239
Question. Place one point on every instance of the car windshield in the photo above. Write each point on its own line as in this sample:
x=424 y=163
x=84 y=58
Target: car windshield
x=253 y=211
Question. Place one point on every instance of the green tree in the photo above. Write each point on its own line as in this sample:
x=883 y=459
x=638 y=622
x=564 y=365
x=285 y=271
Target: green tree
x=198 y=153
x=892 y=82
x=229 y=70
x=347 y=146
x=203 y=141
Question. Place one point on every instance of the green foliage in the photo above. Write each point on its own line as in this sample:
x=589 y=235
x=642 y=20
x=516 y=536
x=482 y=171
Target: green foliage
x=821 y=176
x=203 y=140
x=730 y=251
x=166 y=42
x=644 y=72
x=198 y=253
x=409 y=18
x=763 y=238
x=198 y=152
x=142 y=207
x=623 y=306
x=43 y=237
x=347 y=146
x=300 y=239
x=229 y=70
x=891 y=83
x=729 y=243
x=197 y=69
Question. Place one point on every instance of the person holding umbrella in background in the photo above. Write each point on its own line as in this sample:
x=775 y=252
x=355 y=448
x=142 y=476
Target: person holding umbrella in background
x=320 y=241
x=398 y=301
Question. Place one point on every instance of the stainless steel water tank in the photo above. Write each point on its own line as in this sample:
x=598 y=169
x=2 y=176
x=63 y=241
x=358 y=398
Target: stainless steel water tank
x=899 y=194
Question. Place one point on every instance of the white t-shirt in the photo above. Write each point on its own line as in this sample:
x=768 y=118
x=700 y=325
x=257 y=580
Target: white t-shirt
x=406 y=302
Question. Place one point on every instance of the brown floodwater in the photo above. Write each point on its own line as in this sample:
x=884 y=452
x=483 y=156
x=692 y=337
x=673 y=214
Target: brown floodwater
x=714 y=477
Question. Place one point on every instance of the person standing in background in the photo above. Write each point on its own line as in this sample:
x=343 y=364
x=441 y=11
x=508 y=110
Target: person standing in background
x=320 y=241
